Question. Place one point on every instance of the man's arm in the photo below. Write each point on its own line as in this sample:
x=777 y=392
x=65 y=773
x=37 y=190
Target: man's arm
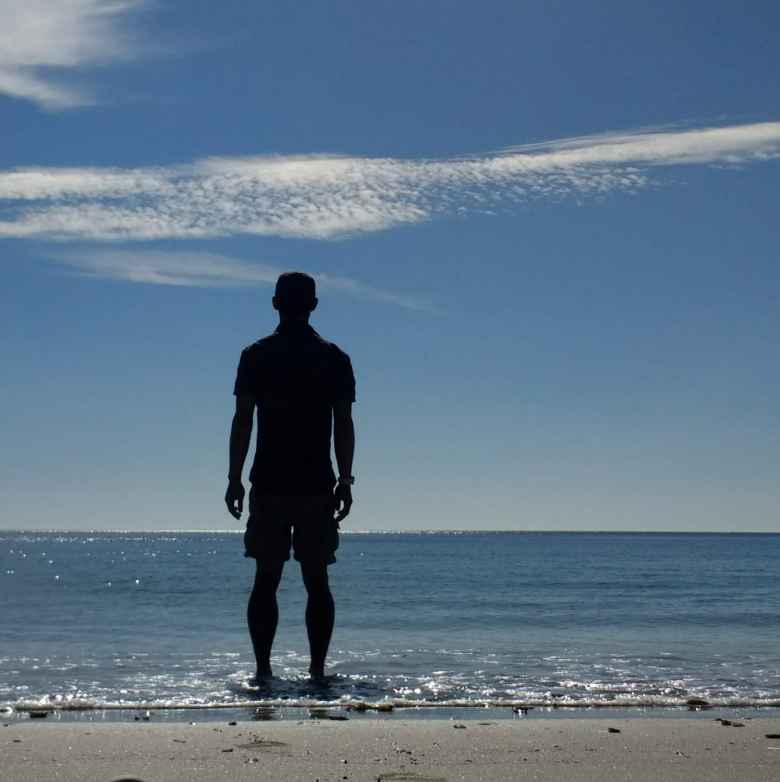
x=240 y=437
x=344 y=445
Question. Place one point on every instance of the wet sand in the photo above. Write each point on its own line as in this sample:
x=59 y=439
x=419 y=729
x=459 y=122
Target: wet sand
x=393 y=750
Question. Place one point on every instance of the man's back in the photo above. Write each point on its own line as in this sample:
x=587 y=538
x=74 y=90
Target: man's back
x=295 y=377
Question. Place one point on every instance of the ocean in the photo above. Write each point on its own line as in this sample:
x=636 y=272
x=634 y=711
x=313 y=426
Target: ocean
x=95 y=620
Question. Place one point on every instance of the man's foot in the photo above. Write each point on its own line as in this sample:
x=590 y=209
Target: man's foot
x=317 y=677
x=261 y=678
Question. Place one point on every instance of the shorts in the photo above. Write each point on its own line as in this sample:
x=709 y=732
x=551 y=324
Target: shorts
x=278 y=521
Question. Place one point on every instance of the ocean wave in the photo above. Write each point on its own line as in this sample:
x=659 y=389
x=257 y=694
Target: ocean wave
x=622 y=702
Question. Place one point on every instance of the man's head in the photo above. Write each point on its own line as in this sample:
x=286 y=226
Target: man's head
x=295 y=295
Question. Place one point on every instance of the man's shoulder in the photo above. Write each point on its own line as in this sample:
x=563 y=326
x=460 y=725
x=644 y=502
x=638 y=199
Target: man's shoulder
x=331 y=347
x=276 y=342
x=260 y=345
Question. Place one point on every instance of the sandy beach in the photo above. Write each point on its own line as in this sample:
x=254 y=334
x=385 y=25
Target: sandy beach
x=394 y=749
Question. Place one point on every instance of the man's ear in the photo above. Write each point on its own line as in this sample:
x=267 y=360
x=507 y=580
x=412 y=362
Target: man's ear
x=314 y=304
x=275 y=303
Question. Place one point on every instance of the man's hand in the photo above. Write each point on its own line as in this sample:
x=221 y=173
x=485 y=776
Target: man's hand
x=234 y=498
x=343 y=496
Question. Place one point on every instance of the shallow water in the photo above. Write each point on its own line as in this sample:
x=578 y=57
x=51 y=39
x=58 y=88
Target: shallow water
x=444 y=618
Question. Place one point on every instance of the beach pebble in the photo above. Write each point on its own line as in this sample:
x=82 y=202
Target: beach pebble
x=773 y=735
x=233 y=724
x=613 y=730
x=459 y=725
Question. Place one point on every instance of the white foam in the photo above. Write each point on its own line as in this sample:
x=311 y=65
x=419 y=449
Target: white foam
x=396 y=703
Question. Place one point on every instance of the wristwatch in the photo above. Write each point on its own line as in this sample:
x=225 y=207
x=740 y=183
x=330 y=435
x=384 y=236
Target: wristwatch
x=349 y=480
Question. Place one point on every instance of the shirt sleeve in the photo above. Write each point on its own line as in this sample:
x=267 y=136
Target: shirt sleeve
x=243 y=384
x=344 y=381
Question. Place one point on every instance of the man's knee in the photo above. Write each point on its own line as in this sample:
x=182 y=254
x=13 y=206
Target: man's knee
x=315 y=578
x=267 y=577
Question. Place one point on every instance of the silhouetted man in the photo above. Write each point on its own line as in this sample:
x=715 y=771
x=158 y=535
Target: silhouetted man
x=301 y=385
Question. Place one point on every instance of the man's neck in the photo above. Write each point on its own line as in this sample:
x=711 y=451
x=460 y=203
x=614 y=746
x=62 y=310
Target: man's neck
x=293 y=324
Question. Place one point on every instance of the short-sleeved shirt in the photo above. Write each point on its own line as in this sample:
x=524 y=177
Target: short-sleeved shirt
x=295 y=377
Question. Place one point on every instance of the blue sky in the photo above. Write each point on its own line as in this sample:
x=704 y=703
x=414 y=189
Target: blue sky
x=546 y=233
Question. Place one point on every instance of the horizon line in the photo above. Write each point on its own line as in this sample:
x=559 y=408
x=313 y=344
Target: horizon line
x=399 y=531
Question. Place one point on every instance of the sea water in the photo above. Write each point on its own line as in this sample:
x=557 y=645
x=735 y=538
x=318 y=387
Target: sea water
x=95 y=619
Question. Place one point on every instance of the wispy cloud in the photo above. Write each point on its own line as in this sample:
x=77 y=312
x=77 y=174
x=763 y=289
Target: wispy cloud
x=321 y=197
x=211 y=270
x=41 y=38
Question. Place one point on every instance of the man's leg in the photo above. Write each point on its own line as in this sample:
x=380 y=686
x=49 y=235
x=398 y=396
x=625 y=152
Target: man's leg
x=263 y=614
x=320 y=614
